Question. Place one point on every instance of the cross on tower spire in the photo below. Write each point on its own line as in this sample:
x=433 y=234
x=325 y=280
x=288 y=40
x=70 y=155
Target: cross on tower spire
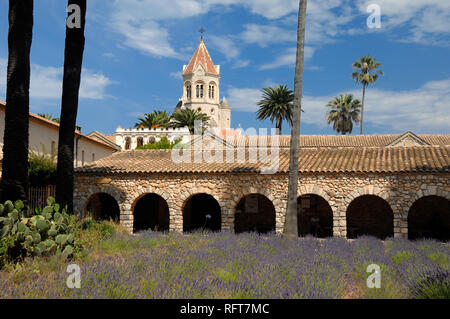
x=202 y=31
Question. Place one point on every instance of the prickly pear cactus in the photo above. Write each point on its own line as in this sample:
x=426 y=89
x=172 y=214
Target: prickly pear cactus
x=49 y=231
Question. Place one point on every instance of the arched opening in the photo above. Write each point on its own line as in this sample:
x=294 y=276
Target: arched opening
x=128 y=143
x=102 y=206
x=314 y=216
x=201 y=212
x=151 y=212
x=429 y=217
x=254 y=213
x=140 y=141
x=370 y=215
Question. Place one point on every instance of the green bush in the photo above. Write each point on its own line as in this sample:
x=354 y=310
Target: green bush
x=48 y=231
x=402 y=256
x=42 y=168
x=432 y=285
x=162 y=144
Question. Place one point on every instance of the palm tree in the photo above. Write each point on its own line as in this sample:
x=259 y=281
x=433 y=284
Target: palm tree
x=156 y=119
x=344 y=111
x=188 y=117
x=276 y=104
x=49 y=117
x=73 y=60
x=290 y=224
x=366 y=74
x=14 y=183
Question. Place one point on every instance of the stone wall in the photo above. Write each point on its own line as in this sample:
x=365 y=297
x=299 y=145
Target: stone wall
x=400 y=191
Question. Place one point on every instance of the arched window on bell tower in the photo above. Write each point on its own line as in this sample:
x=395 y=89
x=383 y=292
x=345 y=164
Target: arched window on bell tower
x=188 y=90
x=198 y=91
x=201 y=91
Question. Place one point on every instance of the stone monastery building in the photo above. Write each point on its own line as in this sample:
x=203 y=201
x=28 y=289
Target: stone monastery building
x=348 y=186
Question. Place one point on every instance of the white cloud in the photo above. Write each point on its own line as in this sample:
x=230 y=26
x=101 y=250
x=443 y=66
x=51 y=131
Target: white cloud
x=264 y=35
x=46 y=82
x=288 y=58
x=241 y=64
x=422 y=110
x=226 y=46
x=243 y=100
x=177 y=75
x=428 y=21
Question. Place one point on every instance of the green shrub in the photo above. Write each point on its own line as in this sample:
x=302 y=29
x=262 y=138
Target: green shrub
x=402 y=256
x=49 y=231
x=41 y=168
x=432 y=285
x=162 y=144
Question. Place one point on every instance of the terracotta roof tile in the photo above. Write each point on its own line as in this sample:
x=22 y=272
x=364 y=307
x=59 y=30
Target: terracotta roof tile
x=422 y=159
x=201 y=56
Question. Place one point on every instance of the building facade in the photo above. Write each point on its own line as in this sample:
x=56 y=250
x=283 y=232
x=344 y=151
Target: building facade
x=387 y=185
x=44 y=134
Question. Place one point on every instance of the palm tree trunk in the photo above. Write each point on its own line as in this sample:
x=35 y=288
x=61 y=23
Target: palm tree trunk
x=290 y=226
x=14 y=184
x=279 y=125
x=73 y=60
x=362 y=107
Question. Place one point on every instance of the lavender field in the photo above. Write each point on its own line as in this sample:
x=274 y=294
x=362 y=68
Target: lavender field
x=222 y=265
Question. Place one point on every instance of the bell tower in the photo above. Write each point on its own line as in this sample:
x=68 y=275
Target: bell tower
x=201 y=87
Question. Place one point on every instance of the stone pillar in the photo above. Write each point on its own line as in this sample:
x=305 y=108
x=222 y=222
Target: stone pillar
x=126 y=219
x=400 y=225
x=175 y=218
x=227 y=214
x=340 y=217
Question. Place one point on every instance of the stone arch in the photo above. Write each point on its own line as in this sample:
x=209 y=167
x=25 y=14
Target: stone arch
x=201 y=210
x=314 y=216
x=150 y=211
x=426 y=190
x=102 y=206
x=113 y=192
x=371 y=215
x=255 y=221
x=148 y=190
x=429 y=217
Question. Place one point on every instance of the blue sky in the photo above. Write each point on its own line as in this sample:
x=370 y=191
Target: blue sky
x=135 y=51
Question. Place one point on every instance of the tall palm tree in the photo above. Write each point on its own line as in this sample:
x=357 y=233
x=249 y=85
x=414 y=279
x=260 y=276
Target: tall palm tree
x=290 y=224
x=276 y=104
x=188 y=117
x=344 y=110
x=14 y=183
x=366 y=73
x=73 y=60
x=156 y=119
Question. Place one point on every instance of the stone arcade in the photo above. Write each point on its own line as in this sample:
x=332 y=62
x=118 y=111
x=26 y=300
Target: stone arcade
x=381 y=185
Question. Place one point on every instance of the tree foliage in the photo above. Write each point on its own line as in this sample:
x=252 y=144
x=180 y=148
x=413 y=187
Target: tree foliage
x=344 y=110
x=276 y=104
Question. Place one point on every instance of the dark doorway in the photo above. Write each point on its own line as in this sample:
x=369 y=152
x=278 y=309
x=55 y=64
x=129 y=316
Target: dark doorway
x=370 y=215
x=102 y=206
x=151 y=212
x=202 y=212
x=254 y=213
x=429 y=217
x=315 y=216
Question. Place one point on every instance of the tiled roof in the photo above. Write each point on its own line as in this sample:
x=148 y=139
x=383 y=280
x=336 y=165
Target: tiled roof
x=40 y=119
x=325 y=160
x=322 y=141
x=201 y=56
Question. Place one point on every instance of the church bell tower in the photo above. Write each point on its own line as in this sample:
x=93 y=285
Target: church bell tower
x=201 y=90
